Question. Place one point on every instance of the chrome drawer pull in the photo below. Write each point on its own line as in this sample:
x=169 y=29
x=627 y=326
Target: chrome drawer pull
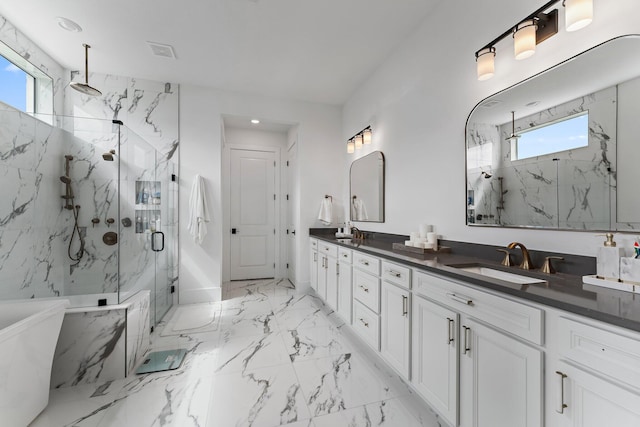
x=466 y=339
x=364 y=289
x=364 y=323
x=463 y=300
x=450 y=326
x=364 y=262
x=345 y=255
x=394 y=273
x=562 y=405
x=405 y=309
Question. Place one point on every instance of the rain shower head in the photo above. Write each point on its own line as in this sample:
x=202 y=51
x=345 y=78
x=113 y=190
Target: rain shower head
x=109 y=156
x=65 y=179
x=84 y=87
x=486 y=175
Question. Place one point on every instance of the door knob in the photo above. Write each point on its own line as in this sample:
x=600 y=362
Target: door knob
x=234 y=230
x=293 y=232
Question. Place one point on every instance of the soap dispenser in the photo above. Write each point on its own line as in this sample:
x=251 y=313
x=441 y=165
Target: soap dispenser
x=608 y=259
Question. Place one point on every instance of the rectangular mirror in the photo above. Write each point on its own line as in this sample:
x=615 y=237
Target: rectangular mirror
x=366 y=184
x=559 y=149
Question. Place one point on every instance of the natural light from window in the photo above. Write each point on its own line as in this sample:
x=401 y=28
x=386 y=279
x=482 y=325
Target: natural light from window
x=14 y=85
x=560 y=135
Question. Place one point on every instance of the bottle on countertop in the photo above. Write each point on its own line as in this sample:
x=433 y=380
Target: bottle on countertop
x=608 y=259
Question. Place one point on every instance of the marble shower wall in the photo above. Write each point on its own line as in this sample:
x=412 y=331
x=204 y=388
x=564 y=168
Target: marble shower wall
x=572 y=192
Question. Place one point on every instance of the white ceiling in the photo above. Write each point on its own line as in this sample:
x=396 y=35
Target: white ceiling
x=318 y=51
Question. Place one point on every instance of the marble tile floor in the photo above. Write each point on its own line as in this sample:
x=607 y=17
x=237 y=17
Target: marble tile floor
x=277 y=358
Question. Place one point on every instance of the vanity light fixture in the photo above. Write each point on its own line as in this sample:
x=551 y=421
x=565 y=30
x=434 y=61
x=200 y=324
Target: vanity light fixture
x=533 y=30
x=366 y=136
x=358 y=140
x=351 y=146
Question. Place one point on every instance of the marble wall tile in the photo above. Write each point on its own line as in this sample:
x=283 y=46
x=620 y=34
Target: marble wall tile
x=138 y=329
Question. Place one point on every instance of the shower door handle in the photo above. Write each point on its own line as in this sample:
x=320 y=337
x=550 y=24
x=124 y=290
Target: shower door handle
x=153 y=241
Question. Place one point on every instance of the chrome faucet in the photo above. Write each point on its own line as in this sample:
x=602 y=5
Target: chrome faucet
x=526 y=263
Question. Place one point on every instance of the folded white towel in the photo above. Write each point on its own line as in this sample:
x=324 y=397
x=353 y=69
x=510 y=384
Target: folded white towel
x=198 y=210
x=326 y=211
x=359 y=210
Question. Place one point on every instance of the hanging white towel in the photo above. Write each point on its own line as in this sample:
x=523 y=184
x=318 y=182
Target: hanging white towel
x=198 y=210
x=359 y=210
x=326 y=211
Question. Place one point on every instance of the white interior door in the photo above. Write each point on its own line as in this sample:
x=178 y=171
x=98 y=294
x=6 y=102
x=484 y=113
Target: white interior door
x=291 y=226
x=252 y=200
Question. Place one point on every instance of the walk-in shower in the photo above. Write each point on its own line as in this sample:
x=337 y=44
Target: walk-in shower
x=67 y=210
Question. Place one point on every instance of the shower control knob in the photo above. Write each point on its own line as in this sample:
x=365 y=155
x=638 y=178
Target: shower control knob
x=95 y=221
x=110 y=221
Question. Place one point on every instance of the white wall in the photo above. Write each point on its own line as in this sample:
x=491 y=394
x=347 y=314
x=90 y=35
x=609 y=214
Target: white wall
x=419 y=99
x=319 y=147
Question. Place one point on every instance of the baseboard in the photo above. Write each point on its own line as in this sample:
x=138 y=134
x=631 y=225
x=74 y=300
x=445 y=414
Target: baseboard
x=195 y=296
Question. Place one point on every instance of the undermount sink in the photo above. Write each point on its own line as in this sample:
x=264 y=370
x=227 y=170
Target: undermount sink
x=499 y=274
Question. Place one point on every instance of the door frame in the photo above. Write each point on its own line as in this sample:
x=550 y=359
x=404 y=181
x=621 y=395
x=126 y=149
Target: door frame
x=226 y=203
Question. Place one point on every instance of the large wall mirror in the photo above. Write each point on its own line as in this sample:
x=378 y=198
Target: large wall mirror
x=560 y=150
x=366 y=183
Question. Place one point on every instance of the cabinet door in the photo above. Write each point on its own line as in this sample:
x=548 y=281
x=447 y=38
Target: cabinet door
x=500 y=379
x=314 y=261
x=344 y=291
x=586 y=400
x=322 y=276
x=394 y=319
x=332 y=283
x=434 y=370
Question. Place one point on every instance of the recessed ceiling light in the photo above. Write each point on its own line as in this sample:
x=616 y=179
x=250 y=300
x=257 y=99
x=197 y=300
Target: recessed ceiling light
x=255 y=121
x=68 y=24
x=532 y=104
x=491 y=104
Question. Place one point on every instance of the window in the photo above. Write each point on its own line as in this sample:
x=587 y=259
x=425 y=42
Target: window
x=16 y=86
x=560 y=135
x=24 y=86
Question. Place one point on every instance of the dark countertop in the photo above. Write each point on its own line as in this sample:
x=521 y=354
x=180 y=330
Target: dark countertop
x=563 y=291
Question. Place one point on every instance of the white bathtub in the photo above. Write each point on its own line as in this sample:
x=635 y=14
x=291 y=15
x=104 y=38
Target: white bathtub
x=29 y=332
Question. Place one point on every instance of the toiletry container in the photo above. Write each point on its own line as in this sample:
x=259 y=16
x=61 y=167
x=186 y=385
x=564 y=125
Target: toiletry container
x=608 y=259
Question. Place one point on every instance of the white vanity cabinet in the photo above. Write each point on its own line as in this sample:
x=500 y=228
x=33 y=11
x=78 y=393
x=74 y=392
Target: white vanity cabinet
x=314 y=262
x=366 y=298
x=596 y=380
x=345 y=302
x=500 y=376
x=434 y=370
x=395 y=315
x=328 y=273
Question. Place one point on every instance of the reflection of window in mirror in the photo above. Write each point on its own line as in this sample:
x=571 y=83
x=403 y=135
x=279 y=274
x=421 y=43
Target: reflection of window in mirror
x=559 y=135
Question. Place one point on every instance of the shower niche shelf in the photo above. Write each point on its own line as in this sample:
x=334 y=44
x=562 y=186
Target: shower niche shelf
x=148 y=199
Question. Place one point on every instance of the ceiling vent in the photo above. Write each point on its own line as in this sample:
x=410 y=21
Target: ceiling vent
x=163 y=50
x=490 y=104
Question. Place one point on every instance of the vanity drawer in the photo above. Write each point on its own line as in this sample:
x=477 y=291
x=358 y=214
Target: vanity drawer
x=344 y=254
x=612 y=352
x=396 y=274
x=328 y=249
x=366 y=324
x=511 y=316
x=366 y=263
x=366 y=288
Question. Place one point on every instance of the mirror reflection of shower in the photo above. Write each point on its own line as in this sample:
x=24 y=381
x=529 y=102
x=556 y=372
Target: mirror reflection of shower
x=68 y=204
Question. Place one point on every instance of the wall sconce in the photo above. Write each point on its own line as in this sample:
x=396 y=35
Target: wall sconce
x=533 y=30
x=356 y=141
x=351 y=146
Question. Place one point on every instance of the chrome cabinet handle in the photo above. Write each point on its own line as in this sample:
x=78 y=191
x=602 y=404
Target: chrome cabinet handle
x=337 y=268
x=364 y=289
x=315 y=257
x=561 y=404
x=460 y=299
x=364 y=323
x=345 y=256
x=450 y=326
x=394 y=273
x=364 y=262
x=405 y=309
x=467 y=330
